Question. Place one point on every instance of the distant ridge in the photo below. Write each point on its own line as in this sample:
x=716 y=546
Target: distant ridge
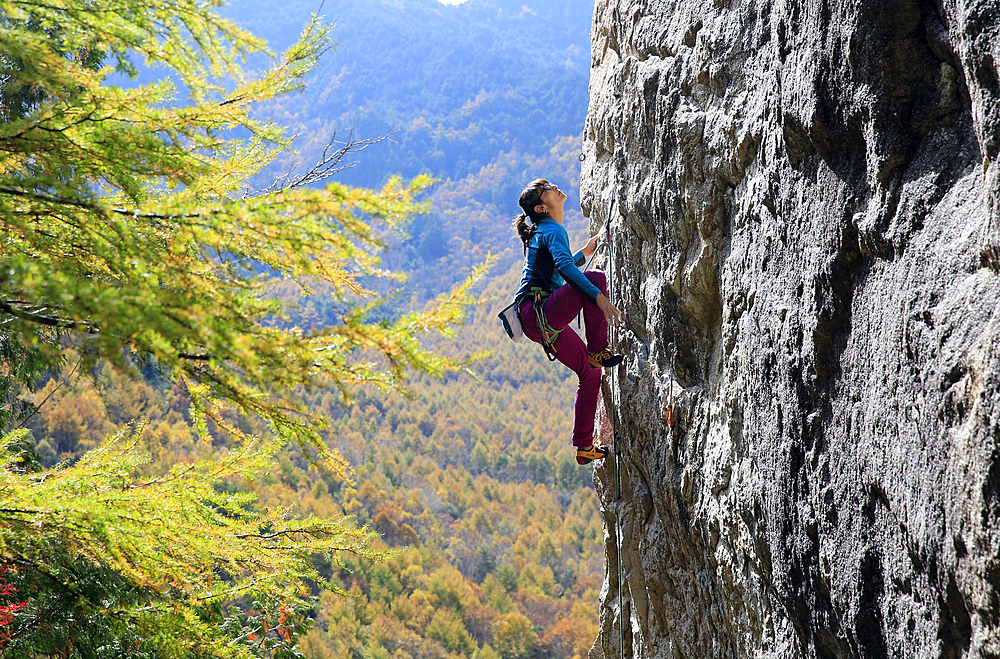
x=458 y=84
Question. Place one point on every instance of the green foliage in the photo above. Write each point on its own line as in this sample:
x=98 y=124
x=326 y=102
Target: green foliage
x=129 y=223
x=482 y=542
x=109 y=554
x=134 y=242
x=149 y=282
x=514 y=636
x=23 y=365
x=447 y=628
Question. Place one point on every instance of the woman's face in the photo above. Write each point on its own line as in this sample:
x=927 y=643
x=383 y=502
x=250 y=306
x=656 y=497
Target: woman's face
x=552 y=197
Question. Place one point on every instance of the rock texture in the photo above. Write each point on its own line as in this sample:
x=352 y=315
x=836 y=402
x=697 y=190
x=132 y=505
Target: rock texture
x=803 y=199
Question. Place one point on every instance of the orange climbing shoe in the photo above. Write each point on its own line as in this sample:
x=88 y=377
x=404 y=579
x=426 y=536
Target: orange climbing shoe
x=589 y=454
x=605 y=358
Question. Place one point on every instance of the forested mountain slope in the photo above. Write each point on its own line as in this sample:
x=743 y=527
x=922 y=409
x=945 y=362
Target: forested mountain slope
x=456 y=85
x=472 y=480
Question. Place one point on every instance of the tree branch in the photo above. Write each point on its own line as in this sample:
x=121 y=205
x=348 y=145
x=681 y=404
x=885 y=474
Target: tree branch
x=58 y=386
x=18 y=511
x=316 y=533
x=42 y=319
x=200 y=358
x=328 y=164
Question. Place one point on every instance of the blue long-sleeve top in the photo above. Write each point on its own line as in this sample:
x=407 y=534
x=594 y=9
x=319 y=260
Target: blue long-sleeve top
x=549 y=263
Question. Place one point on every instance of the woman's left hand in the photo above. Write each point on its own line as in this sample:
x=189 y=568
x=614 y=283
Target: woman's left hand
x=611 y=312
x=590 y=247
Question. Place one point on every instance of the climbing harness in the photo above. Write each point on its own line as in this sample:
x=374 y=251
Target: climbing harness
x=549 y=333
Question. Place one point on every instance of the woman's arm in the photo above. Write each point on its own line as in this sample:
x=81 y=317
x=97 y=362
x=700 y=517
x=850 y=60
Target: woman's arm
x=591 y=247
x=611 y=312
x=558 y=244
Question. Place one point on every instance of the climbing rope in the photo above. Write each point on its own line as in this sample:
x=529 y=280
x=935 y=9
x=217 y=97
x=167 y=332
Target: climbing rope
x=615 y=439
x=614 y=342
x=594 y=255
x=673 y=376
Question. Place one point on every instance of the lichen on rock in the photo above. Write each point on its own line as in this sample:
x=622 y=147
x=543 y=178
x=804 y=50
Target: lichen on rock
x=803 y=200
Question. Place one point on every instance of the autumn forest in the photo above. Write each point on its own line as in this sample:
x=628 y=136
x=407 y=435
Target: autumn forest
x=256 y=399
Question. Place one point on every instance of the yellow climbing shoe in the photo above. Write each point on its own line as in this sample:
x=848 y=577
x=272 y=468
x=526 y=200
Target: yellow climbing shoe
x=605 y=359
x=589 y=454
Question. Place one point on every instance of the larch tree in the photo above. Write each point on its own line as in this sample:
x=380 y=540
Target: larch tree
x=131 y=230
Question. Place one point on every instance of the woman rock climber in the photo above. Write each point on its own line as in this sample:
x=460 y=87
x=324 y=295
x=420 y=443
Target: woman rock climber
x=553 y=290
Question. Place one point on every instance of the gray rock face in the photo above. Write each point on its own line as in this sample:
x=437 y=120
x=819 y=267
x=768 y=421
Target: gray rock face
x=804 y=199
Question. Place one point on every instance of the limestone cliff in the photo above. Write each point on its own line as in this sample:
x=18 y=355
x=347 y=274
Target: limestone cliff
x=803 y=198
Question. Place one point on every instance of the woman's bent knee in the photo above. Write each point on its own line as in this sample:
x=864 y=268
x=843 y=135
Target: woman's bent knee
x=599 y=279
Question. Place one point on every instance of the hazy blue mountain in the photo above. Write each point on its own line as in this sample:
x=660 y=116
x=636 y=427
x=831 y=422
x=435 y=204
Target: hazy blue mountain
x=459 y=84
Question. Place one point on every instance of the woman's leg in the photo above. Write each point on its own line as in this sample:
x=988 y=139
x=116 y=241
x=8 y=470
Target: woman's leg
x=572 y=352
x=566 y=302
x=560 y=309
x=597 y=324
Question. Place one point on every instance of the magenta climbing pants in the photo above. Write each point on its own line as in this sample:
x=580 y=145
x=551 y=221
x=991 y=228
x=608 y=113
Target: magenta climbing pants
x=560 y=309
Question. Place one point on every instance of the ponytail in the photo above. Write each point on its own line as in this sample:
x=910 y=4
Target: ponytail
x=526 y=223
x=524 y=230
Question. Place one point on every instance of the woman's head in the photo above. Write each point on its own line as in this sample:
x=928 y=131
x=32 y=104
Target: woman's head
x=539 y=200
x=531 y=202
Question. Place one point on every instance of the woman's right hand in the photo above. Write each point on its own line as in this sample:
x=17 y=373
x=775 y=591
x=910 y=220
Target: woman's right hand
x=611 y=312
